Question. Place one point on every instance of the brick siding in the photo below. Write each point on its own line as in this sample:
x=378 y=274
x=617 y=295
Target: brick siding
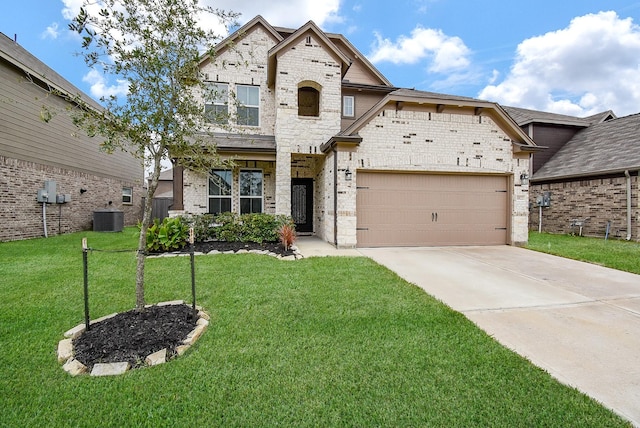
x=598 y=200
x=21 y=214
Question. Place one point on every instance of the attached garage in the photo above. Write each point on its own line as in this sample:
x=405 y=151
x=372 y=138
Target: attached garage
x=405 y=209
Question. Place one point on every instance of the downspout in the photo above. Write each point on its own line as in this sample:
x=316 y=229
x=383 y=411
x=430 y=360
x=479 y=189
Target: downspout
x=628 y=176
x=335 y=197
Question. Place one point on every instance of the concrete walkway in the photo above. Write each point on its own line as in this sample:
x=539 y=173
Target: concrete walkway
x=312 y=246
x=580 y=322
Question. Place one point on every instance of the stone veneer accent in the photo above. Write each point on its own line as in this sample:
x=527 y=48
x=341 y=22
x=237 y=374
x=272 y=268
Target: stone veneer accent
x=75 y=367
x=21 y=214
x=599 y=200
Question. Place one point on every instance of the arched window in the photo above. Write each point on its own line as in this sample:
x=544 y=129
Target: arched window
x=308 y=100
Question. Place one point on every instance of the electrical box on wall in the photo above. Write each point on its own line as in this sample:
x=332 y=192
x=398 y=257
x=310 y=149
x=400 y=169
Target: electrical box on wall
x=544 y=200
x=43 y=196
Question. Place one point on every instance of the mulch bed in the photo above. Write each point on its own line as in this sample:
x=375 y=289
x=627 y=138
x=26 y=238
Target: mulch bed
x=222 y=246
x=132 y=336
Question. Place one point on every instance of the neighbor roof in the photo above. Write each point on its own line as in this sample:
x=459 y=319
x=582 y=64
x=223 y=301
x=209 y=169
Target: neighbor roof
x=524 y=116
x=15 y=54
x=604 y=148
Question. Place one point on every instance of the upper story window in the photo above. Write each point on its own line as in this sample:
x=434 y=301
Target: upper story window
x=216 y=107
x=220 y=191
x=308 y=101
x=250 y=191
x=348 y=106
x=248 y=105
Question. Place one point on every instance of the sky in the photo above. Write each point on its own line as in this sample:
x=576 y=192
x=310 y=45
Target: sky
x=575 y=57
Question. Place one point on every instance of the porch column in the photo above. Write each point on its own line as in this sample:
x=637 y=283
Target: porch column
x=283 y=181
x=178 y=182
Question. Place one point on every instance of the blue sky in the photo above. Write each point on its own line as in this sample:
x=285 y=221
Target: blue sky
x=574 y=57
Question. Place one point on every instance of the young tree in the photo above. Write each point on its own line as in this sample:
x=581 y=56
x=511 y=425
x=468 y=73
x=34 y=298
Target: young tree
x=156 y=46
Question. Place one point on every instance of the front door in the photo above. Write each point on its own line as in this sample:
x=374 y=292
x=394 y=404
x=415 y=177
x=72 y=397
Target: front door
x=302 y=204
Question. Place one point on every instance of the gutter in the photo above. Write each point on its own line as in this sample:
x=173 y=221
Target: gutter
x=628 y=176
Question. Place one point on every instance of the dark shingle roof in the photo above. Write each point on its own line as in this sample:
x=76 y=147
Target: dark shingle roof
x=244 y=142
x=21 y=58
x=604 y=148
x=524 y=116
x=404 y=92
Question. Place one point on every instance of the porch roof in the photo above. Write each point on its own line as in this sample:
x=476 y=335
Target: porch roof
x=244 y=143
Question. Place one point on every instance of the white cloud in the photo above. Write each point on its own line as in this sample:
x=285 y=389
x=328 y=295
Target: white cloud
x=71 y=8
x=591 y=66
x=51 y=32
x=445 y=53
x=99 y=85
x=283 y=13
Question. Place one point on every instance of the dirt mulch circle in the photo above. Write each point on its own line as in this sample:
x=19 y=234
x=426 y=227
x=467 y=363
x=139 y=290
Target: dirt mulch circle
x=132 y=336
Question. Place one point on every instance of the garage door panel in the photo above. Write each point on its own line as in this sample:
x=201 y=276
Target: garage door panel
x=396 y=209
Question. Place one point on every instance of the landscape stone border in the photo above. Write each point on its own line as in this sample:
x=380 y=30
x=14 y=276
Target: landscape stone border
x=75 y=367
x=295 y=256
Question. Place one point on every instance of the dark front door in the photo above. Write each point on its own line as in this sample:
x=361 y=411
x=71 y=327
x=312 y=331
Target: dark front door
x=302 y=204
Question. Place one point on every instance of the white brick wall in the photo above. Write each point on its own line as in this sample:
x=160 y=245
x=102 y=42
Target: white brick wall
x=196 y=188
x=246 y=64
x=446 y=142
x=303 y=63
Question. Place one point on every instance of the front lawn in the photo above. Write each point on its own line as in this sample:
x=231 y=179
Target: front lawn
x=315 y=342
x=613 y=253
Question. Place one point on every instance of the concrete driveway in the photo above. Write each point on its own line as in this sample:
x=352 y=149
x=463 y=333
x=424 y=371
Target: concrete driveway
x=578 y=321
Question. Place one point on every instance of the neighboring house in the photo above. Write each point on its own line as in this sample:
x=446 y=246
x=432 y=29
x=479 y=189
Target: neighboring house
x=163 y=197
x=551 y=130
x=592 y=182
x=33 y=151
x=324 y=137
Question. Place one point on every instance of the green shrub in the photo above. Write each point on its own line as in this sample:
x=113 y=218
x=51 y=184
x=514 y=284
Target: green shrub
x=203 y=226
x=232 y=227
x=227 y=227
x=168 y=235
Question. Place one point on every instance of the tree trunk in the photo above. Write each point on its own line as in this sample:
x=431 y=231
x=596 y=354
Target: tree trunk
x=142 y=242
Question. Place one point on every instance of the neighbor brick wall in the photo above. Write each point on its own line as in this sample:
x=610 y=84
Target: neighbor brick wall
x=21 y=214
x=599 y=200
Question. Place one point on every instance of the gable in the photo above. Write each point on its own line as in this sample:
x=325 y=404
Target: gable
x=440 y=103
x=240 y=38
x=310 y=34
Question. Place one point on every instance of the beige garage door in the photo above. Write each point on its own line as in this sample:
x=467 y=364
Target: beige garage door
x=396 y=209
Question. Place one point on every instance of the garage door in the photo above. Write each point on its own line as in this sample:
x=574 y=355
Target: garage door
x=396 y=209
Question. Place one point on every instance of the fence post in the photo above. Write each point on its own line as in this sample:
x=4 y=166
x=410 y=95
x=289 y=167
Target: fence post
x=85 y=249
x=193 y=270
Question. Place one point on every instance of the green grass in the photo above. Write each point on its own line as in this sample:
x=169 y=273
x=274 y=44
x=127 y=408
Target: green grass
x=613 y=253
x=316 y=342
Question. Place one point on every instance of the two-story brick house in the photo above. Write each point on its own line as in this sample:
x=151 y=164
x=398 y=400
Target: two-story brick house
x=323 y=136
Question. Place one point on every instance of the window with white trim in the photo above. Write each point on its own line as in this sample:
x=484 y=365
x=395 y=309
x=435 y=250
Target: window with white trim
x=248 y=105
x=216 y=107
x=348 y=106
x=250 y=191
x=127 y=195
x=220 y=191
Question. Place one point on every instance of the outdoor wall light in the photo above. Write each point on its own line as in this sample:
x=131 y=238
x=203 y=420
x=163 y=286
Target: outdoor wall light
x=524 y=178
x=347 y=174
x=82 y=191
